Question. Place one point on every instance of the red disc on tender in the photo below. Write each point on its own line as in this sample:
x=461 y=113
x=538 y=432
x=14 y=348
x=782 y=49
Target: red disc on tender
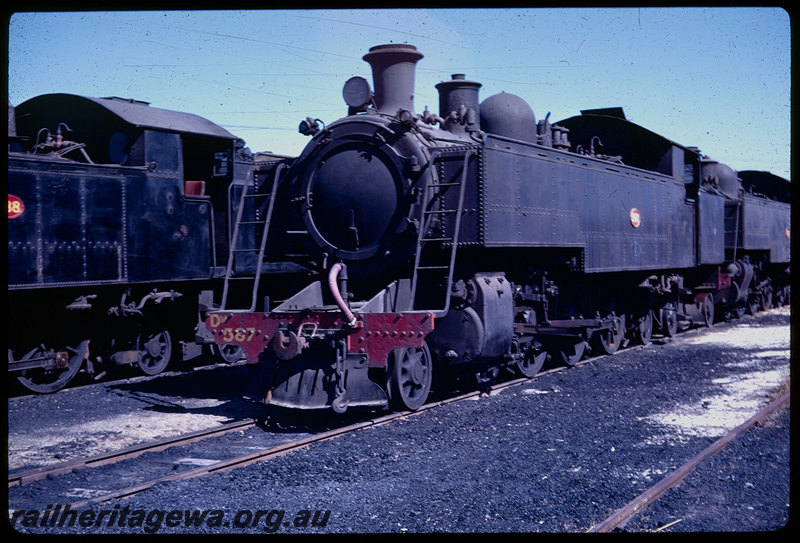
x=636 y=218
x=16 y=207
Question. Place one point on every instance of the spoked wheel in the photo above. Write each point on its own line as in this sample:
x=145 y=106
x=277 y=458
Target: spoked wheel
x=230 y=353
x=155 y=351
x=409 y=377
x=531 y=363
x=669 y=320
x=570 y=350
x=608 y=341
x=643 y=332
x=48 y=380
x=707 y=308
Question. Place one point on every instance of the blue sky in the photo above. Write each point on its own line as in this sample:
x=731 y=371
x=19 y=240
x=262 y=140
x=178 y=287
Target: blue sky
x=714 y=78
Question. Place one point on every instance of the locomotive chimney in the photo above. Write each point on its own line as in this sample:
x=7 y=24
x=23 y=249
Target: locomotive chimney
x=393 y=76
x=458 y=103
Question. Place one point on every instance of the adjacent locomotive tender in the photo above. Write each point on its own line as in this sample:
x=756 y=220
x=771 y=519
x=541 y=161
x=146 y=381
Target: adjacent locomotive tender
x=493 y=240
x=120 y=223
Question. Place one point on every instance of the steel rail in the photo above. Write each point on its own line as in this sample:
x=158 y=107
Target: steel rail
x=264 y=454
x=640 y=503
x=133 y=451
x=279 y=450
x=123 y=454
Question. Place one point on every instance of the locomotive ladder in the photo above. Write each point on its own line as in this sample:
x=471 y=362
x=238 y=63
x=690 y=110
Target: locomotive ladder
x=234 y=250
x=425 y=239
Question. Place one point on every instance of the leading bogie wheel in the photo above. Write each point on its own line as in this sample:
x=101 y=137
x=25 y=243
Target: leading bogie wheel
x=230 y=353
x=409 y=377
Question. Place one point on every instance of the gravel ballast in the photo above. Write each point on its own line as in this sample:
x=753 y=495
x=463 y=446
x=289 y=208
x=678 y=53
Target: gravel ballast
x=557 y=454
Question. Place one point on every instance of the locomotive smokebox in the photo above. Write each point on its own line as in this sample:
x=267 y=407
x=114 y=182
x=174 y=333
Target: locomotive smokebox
x=459 y=97
x=393 y=68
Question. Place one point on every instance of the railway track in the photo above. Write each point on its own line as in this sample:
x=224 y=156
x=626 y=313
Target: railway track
x=111 y=457
x=618 y=519
x=116 y=456
x=621 y=516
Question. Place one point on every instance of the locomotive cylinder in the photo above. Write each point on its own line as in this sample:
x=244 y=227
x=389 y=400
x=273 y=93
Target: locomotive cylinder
x=393 y=68
x=481 y=330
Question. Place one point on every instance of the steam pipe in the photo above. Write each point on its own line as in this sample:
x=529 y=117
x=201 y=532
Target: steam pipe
x=333 y=283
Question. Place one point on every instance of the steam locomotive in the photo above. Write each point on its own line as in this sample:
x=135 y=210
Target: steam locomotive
x=494 y=240
x=120 y=234
x=480 y=239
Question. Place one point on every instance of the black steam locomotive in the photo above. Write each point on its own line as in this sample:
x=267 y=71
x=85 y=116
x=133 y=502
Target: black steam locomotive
x=119 y=225
x=494 y=240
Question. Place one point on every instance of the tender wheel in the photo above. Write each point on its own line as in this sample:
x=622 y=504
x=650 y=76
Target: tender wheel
x=643 y=331
x=570 y=350
x=753 y=304
x=608 y=341
x=782 y=296
x=155 y=352
x=765 y=300
x=46 y=381
x=708 y=310
x=779 y=298
x=409 y=378
x=669 y=320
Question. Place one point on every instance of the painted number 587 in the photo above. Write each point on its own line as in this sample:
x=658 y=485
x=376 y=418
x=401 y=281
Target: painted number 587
x=237 y=334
